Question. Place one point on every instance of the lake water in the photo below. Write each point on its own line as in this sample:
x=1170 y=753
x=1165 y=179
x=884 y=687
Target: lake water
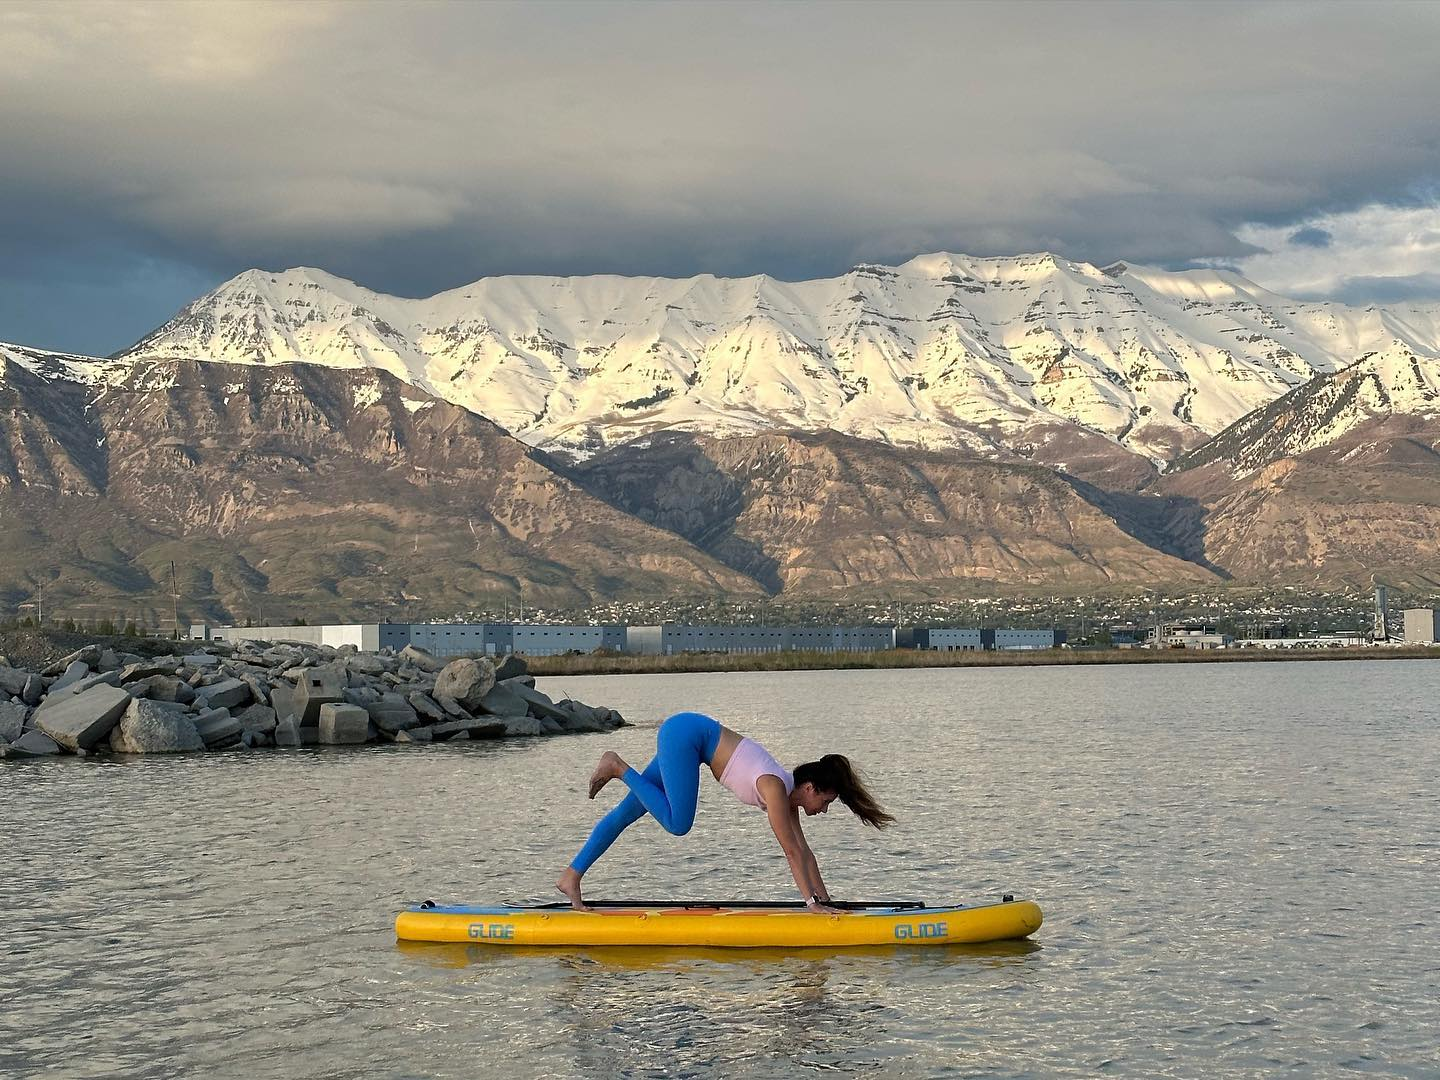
x=1237 y=864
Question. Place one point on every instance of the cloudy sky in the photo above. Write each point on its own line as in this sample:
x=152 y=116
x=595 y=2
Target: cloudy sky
x=148 y=151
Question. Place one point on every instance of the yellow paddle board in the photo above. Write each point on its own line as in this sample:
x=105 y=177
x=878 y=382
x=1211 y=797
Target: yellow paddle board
x=739 y=924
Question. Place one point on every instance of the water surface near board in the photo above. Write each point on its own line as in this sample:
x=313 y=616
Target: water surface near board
x=1238 y=866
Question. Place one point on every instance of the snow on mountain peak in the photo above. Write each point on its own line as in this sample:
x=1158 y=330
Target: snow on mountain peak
x=944 y=350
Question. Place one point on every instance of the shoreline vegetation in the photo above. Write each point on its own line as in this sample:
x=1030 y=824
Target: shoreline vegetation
x=798 y=660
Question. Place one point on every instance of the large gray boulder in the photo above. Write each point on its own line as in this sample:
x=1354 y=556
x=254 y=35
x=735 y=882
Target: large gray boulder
x=343 y=725
x=89 y=656
x=512 y=667
x=503 y=701
x=466 y=681
x=225 y=694
x=421 y=658
x=32 y=744
x=13 y=681
x=523 y=725
x=79 y=721
x=537 y=703
x=72 y=674
x=218 y=728
x=367 y=664
x=258 y=718
x=489 y=728
x=426 y=706
x=150 y=727
x=12 y=720
x=34 y=691
x=148 y=669
x=163 y=688
x=392 y=713
x=579 y=717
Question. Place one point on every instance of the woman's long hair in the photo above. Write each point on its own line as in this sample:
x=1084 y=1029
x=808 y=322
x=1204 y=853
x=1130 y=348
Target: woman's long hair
x=833 y=772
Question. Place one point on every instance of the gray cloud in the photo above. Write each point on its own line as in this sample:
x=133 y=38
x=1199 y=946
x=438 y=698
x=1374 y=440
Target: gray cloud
x=416 y=147
x=1310 y=236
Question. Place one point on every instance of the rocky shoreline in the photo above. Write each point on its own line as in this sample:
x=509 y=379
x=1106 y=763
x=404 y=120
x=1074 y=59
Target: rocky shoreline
x=260 y=694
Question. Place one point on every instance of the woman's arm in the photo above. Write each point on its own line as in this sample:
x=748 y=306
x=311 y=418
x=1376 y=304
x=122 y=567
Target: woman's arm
x=786 y=825
x=812 y=866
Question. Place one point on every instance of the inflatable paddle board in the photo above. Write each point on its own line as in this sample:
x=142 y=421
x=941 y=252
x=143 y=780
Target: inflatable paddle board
x=734 y=924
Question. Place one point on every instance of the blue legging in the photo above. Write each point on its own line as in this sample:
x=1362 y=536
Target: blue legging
x=669 y=788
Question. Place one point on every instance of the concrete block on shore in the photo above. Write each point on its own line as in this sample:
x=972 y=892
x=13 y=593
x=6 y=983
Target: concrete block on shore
x=79 y=721
x=287 y=732
x=201 y=661
x=282 y=700
x=466 y=680
x=317 y=687
x=150 y=727
x=343 y=725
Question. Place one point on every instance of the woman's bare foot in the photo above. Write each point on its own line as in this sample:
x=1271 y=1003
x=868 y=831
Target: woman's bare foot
x=612 y=766
x=569 y=884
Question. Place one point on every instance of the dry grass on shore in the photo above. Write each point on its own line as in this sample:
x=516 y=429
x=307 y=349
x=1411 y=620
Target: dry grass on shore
x=597 y=664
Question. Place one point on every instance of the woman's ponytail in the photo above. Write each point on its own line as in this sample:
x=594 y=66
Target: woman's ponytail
x=833 y=772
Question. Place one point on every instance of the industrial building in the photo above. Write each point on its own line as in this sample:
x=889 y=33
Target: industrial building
x=974 y=639
x=1186 y=636
x=668 y=639
x=441 y=639
x=1422 y=626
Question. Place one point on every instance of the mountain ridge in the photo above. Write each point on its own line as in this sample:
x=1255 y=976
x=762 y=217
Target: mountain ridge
x=944 y=350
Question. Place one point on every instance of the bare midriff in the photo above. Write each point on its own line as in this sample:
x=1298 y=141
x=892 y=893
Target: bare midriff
x=729 y=740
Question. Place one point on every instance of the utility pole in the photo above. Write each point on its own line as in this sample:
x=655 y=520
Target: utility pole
x=174 y=602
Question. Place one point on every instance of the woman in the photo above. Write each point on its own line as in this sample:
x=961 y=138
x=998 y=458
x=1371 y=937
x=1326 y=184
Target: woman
x=669 y=790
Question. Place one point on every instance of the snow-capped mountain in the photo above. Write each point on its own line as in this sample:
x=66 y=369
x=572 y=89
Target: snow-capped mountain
x=942 y=351
x=1326 y=409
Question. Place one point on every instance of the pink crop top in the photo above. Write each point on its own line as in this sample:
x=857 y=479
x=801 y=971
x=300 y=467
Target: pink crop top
x=748 y=763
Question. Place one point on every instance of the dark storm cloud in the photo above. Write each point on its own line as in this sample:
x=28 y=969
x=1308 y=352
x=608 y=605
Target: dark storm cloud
x=416 y=147
x=1310 y=236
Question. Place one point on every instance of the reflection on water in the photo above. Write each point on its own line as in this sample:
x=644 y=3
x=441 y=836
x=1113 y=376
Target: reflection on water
x=666 y=1011
x=1237 y=864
